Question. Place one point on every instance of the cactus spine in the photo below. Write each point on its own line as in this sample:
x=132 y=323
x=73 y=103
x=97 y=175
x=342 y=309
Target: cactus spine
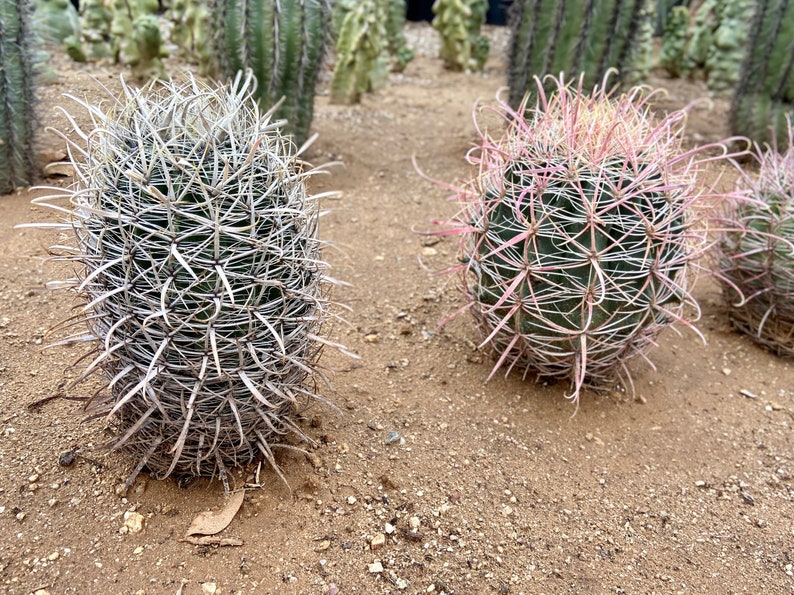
x=764 y=99
x=754 y=257
x=459 y=23
x=17 y=95
x=283 y=43
x=199 y=265
x=577 y=231
x=577 y=36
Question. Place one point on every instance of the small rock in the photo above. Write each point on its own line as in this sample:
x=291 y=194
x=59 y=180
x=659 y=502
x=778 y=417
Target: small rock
x=53 y=556
x=375 y=568
x=389 y=528
x=372 y=338
x=133 y=521
x=427 y=251
x=333 y=589
x=138 y=550
x=746 y=393
x=323 y=545
x=414 y=523
x=209 y=588
x=66 y=458
x=351 y=500
x=378 y=541
x=393 y=437
x=727 y=371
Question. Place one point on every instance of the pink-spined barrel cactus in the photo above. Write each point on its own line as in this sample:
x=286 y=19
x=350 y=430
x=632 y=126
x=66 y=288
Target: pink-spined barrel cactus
x=754 y=256
x=578 y=231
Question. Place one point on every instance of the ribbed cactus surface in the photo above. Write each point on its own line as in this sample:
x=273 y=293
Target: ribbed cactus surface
x=576 y=233
x=199 y=263
x=755 y=252
x=458 y=22
x=577 y=37
x=17 y=95
x=764 y=99
x=283 y=43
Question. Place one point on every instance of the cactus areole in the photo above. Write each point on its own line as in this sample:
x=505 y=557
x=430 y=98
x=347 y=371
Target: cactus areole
x=198 y=260
x=576 y=233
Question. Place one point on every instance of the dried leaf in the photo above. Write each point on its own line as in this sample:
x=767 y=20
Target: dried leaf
x=211 y=522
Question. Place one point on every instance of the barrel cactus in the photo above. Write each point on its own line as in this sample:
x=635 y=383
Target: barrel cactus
x=17 y=95
x=198 y=259
x=577 y=232
x=754 y=257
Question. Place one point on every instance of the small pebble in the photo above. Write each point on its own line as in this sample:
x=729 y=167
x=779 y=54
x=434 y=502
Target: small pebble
x=209 y=588
x=375 y=567
x=351 y=500
x=66 y=458
x=414 y=523
x=378 y=541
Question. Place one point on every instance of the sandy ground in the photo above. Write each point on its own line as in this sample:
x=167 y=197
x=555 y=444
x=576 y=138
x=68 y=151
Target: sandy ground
x=498 y=488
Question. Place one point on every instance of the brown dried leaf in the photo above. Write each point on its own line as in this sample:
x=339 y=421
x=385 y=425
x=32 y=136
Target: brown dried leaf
x=212 y=522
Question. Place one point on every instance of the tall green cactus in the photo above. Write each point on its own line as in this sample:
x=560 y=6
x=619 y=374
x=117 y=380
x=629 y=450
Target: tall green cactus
x=764 y=99
x=283 y=43
x=577 y=36
x=459 y=22
x=17 y=85
x=362 y=56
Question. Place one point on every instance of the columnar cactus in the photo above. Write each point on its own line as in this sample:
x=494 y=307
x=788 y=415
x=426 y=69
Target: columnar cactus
x=459 y=23
x=577 y=232
x=754 y=257
x=283 y=42
x=191 y=30
x=199 y=263
x=17 y=95
x=55 y=20
x=764 y=98
x=362 y=57
x=397 y=44
x=587 y=37
x=673 y=56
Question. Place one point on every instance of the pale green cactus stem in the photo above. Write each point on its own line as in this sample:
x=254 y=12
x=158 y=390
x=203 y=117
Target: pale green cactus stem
x=149 y=48
x=397 y=44
x=362 y=56
x=192 y=31
x=95 y=40
x=673 y=56
x=55 y=20
x=459 y=23
x=728 y=44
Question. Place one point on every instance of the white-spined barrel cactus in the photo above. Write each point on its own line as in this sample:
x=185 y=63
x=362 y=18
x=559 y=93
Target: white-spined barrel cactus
x=577 y=232
x=199 y=261
x=754 y=257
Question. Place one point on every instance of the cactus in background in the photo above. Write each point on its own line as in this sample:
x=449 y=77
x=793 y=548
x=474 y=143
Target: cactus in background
x=673 y=56
x=283 y=43
x=149 y=49
x=55 y=20
x=191 y=30
x=198 y=261
x=575 y=37
x=17 y=95
x=362 y=57
x=577 y=232
x=397 y=44
x=754 y=257
x=122 y=28
x=718 y=41
x=95 y=40
x=764 y=98
x=664 y=10
x=459 y=23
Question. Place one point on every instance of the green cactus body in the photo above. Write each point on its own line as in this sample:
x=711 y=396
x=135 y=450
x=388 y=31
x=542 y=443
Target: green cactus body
x=397 y=44
x=149 y=48
x=199 y=264
x=578 y=36
x=728 y=47
x=17 y=95
x=458 y=22
x=55 y=20
x=362 y=56
x=673 y=56
x=283 y=43
x=764 y=98
x=192 y=31
x=754 y=257
x=95 y=41
x=577 y=233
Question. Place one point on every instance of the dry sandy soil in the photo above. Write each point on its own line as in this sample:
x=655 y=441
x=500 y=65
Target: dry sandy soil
x=498 y=487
